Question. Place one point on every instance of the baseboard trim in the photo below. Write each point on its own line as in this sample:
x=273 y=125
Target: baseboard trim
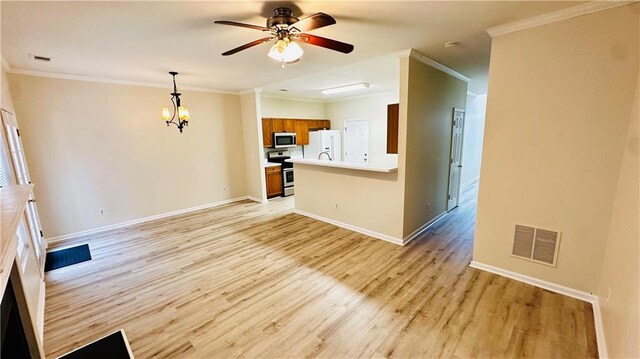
x=423 y=228
x=365 y=231
x=597 y=321
x=560 y=289
x=469 y=183
x=256 y=199
x=65 y=237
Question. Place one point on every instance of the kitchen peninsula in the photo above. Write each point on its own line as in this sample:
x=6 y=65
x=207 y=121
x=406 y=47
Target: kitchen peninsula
x=385 y=168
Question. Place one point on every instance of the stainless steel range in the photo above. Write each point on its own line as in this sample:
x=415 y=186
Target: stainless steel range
x=287 y=169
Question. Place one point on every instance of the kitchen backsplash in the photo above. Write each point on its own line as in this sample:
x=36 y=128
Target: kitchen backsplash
x=293 y=151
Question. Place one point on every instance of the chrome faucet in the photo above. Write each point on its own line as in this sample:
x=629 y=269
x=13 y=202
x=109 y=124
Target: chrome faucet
x=325 y=153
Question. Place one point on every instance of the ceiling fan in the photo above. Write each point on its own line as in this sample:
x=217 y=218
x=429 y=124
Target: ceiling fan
x=288 y=29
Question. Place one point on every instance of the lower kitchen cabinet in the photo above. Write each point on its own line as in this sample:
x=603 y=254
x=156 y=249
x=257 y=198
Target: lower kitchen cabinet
x=274 y=181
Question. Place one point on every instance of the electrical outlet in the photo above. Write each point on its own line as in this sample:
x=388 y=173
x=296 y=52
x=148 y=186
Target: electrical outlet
x=101 y=211
x=224 y=188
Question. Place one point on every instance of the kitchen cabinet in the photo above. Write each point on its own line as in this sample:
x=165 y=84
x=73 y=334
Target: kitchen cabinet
x=324 y=124
x=277 y=124
x=267 y=132
x=393 y=111
x=300 y=126
x=290 y=125
x=274 y=181
x=302 y=132
x=313 y=125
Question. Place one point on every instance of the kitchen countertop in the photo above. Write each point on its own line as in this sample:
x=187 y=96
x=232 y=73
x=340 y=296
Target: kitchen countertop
x=271 y=164
x=348 y=165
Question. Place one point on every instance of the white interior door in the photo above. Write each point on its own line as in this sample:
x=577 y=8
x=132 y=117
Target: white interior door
x=455 y=162
x=356 y=141
x=21 y=172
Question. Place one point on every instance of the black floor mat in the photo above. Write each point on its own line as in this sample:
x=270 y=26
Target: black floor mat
x=67 y=257
x=113 y=346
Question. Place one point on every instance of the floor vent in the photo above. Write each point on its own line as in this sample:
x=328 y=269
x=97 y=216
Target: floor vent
x=536 y=244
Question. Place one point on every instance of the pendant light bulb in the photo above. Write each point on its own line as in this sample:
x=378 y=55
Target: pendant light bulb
x=165 y=114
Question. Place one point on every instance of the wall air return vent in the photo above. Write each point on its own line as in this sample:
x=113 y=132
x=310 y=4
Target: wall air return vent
x=536 y=244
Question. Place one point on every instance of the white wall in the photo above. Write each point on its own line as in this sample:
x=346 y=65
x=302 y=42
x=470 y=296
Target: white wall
x=93 y=146
x=253 y=146
x=431 y=97
x=372 y=108
x=291 y=108
x=6 y=102
x=558 y=109
x=619 y=287
x=473 y=135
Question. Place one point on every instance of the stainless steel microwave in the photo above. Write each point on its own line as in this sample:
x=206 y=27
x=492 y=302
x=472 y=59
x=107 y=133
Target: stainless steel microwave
x=284 y=139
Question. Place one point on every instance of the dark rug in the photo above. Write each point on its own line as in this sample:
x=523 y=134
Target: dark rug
x=67 y=257
x=113 y=346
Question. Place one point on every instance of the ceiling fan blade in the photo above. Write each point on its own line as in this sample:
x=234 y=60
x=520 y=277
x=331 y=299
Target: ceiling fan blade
x=246 y=46
x=327 y=43
x=313 y=22
x=233 y=23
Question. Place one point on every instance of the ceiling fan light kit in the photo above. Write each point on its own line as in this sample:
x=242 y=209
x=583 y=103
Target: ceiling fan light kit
x=285 y=51
x=288 y=29
x=347 y=88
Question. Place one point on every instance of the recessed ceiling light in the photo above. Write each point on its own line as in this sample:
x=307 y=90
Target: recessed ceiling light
x=358 y=86
x=451 y=44
x=39 y=58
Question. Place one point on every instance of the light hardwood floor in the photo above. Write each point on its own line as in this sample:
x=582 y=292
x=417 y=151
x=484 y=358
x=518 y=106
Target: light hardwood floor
x=255 y=280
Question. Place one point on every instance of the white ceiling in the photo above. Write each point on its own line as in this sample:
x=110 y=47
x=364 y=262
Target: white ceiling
x=142 y=41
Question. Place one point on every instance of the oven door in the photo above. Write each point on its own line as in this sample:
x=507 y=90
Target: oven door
x=287 y=177
x=283 y=140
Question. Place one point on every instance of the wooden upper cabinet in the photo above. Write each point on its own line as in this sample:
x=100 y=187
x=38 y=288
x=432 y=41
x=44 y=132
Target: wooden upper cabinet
x=393 y=112
x=324 y=124
x=302 y=132
x=313 y=124
x=300 y=126
x=277 y=125
x=267 y=132
x=290 y=125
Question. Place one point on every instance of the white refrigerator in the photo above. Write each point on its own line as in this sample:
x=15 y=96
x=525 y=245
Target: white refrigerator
x=329 y=141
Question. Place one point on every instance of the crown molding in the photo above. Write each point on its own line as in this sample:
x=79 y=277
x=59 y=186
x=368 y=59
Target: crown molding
x=560 y=15
x=112 y=81
x=427 y=61
x=255 y=90
x=288 y=98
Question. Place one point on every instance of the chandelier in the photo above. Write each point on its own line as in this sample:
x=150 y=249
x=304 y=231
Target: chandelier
x=180 y=116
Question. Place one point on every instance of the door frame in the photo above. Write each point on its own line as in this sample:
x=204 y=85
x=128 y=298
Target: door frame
x=31 y=216
x=452 y=157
